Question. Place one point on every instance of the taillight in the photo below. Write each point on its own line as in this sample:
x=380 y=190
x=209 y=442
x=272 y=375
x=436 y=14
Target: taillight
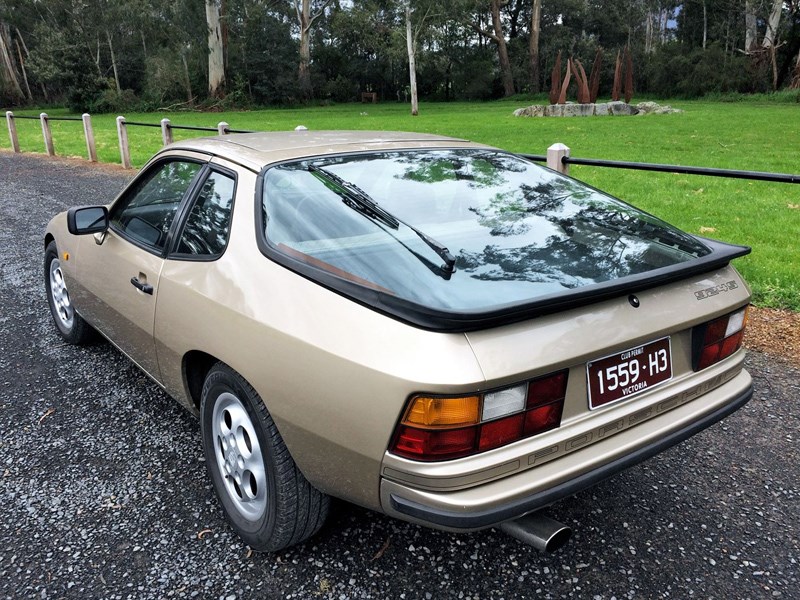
x=447 y=427
x=718 y=339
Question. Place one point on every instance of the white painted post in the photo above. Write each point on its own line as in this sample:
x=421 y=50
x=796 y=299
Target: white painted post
x=555 y=154
x=12 y=130
x=166 y=131
x=47 y=134
x=88 y=133
x=124 y=149
x=222 y=128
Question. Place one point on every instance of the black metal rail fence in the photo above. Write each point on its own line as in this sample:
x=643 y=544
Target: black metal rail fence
x=557 y=158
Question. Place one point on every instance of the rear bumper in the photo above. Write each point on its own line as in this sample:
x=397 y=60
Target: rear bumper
x=489 y=504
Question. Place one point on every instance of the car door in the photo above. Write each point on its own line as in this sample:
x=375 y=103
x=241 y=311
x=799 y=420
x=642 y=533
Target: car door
x=196 y=285
x=120 y=276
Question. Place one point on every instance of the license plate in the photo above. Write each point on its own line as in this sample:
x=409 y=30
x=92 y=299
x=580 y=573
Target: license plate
x=628 y=373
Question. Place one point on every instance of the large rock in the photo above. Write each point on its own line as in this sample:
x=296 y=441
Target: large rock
x=578 y=110
x=617 y=109
x=535 y=110
x=653 y=108
x=620 y=109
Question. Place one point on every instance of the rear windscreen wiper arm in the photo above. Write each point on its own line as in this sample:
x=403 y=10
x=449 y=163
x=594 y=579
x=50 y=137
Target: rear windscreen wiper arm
x=356 y=198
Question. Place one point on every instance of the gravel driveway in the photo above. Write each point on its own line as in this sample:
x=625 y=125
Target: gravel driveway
x=104 y=492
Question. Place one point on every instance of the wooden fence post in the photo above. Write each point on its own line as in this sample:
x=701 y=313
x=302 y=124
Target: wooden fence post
x=47 y=134
x=88 y=133
x=222 y=128
x=12 y=130
x=124 y=149
x=555 y=154
x=166 y=131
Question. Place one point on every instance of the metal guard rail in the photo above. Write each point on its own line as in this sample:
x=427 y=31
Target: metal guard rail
x=661 y=168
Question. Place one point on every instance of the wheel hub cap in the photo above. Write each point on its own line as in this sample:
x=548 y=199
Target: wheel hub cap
x=60 y=295
x=239 y=456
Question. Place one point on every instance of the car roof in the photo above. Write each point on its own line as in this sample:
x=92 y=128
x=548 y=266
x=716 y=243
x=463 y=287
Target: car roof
x=256 y=150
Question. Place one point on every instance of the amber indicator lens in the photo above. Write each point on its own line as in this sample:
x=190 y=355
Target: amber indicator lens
x=437 y=428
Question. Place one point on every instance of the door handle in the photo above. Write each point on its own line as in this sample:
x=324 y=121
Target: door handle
x=145 y=287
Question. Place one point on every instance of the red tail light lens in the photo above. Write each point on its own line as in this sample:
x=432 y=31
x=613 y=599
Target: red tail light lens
x=433 y=428
x=718 y=339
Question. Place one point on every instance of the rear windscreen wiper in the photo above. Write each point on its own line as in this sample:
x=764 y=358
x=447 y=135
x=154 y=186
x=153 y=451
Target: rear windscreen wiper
x=357 y=199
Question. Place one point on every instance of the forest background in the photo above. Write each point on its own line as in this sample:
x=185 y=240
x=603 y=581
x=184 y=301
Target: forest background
x=114 y=55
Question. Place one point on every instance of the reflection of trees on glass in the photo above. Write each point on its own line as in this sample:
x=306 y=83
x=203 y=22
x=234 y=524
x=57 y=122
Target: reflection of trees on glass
x=517 y=230
x=479 y=169
x=206 y=230
x=147 y=212
x=168 y=185
x=598 y=239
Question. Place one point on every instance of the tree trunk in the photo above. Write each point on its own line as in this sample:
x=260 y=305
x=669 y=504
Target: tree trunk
x=304 y=72
x=502 y=50
x=113 y=62
x=705 y=24
x=750 y=26
x=216 y=53
x=770 y=37
x=187 y=82
x=144 y=44
x=795 y=82
x=412 y=63
x=7 y=62
x=536 y=21
x=28 y=55
x=24 y=73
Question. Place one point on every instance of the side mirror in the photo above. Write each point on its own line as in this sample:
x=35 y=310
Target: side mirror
x=82 y=220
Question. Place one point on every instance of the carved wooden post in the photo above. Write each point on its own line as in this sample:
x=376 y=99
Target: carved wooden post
x=166 y=131
x=47 y=134
x=88 y=133
x=124 y=149
x=222 y=128
x=12 y=130
x=555 y=154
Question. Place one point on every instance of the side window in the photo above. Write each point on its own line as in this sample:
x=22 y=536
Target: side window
x=208 y=224
x=148 y=210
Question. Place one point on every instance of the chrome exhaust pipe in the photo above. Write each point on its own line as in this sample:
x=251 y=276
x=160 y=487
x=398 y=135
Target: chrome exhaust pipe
x=539 y=531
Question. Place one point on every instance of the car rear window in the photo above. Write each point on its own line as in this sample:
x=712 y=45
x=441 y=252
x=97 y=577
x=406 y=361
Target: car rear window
x=516 y=231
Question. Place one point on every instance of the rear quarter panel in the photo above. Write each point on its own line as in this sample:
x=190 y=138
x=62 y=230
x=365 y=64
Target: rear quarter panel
x=333 y=374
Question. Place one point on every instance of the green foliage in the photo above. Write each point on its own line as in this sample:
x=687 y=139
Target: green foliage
x=673 y=72
x=160 y=48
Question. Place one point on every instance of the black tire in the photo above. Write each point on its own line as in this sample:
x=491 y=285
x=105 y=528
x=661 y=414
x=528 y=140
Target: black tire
x=70 y=325
x=271 y=510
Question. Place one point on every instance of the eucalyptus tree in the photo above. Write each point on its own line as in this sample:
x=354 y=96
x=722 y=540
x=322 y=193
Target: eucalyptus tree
x=216 y=50
x=307 y=11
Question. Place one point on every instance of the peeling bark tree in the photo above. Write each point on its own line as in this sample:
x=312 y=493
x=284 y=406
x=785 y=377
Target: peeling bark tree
x=305 y=20
x=412 y=62
x=216 y=51
x=751 y=27
x=533 y=46
x=771 y=36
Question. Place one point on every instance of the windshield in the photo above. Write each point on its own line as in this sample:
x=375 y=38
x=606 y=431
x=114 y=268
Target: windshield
x=518 y=231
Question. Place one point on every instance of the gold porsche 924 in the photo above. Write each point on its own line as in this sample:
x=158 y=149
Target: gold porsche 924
x=431 y=328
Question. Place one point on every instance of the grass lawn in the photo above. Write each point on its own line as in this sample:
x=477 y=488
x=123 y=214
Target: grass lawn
x=751 y=135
